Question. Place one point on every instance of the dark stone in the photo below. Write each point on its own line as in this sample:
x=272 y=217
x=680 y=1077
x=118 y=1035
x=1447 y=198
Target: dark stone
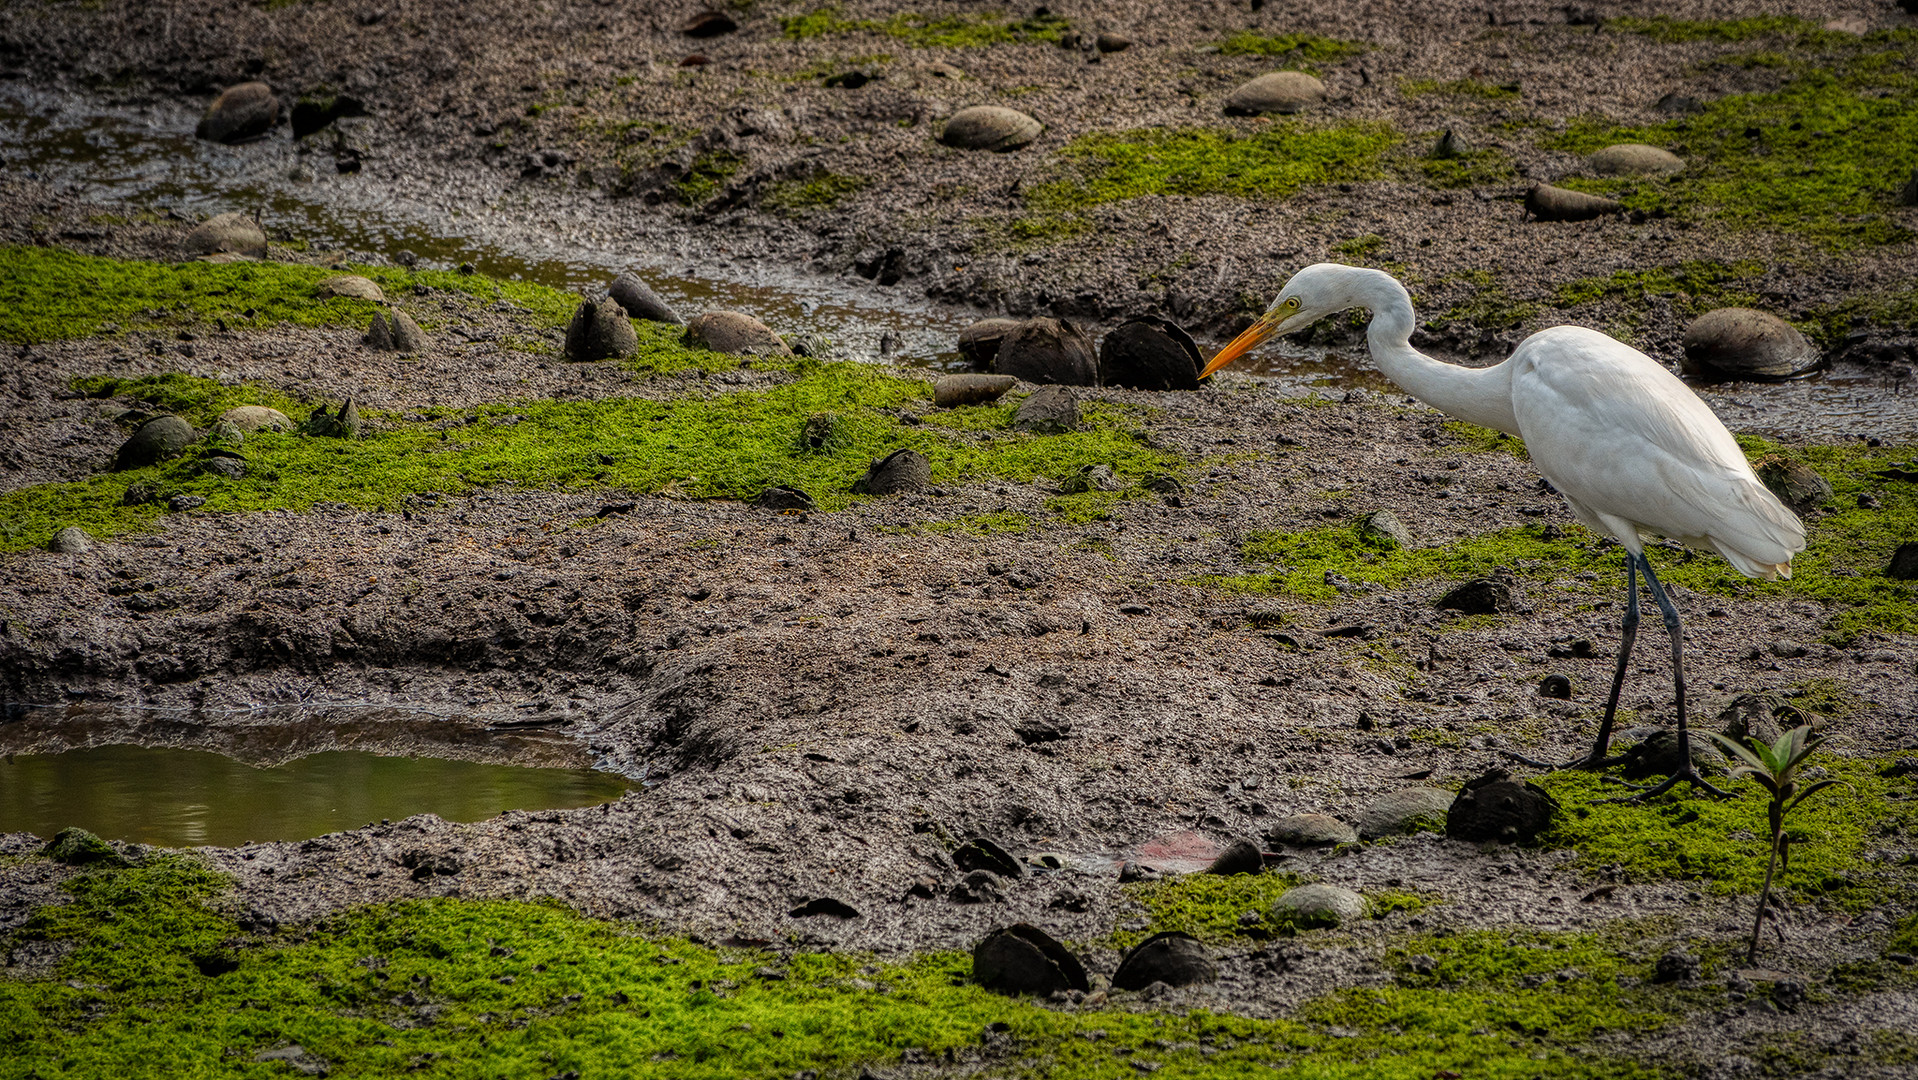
x=139 y=495
x=1448 y=146
x=1053 y=410
x=1657 y=755
x=1046 y=350
x=1675 y=102
x=1241 y=856
x=344 y=424
x=1112 y=43
x=600 y=330
x=978 y=887
x=641 y=302
x=425 y=864
x=1310 y=830
x=312 y=114
x=1130 y=872
x=1797 y=485
x=1023 y=959
x=982 y=854
x=1740 y=343
x=950 y=391
x=990 y=127
x=227 y=466
x=1904 y=562
x=784 y=498
x=72 y=540
x=979 y=343
x=825 y=905
x=1172 y=958
x=1092 y=478
x=215 y=964
x=1908 y=195
x=1036 y=730
x=1548 y=203
x=849 y=80
x=897 y=472
x=708 y=24
x=1483 y=596
x=77 y=847
x=395 y=331
x=1495 y=807
x=240 y=113
x=1149 y=354
x=1555 y=686
x=1677 y=966
x=158 y=439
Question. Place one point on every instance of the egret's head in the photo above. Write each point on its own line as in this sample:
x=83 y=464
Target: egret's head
x=1310 y=295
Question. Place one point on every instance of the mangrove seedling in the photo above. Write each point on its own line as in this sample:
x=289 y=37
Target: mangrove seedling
x=1776 y=769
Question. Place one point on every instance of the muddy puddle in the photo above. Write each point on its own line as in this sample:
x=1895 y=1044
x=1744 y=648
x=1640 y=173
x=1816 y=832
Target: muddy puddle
x=276 y=774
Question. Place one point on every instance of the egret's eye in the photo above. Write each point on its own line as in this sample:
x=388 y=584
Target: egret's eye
x=1292 y=303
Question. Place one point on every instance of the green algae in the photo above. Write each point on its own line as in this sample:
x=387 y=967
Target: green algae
x=1301 y=560
x=1465 y=88
x=1670 y=31
x=1309 y=48
x=1489 y=306
x=1692 y=288
x=813 y=193
x=922 y=31
x=1210 y=907
x=1270 y=164
x=708 y=173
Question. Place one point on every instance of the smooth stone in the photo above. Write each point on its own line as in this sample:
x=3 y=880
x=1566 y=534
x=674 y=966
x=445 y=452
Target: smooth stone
x=229 y=233
x=1799 y=486
x=1904 y=562
x=979 y=343
x=1496 y=807
x=1092 y=478
x=899 y=472
x=1052 y=410
x=242 y=112
x=1241 y=856
x=1657 y=754
x=707 y=24
x=734 y=332
x=949 y=391
x=1310 y=830
x=1112 y=43
x=1483 y=596
x=352 y=286
x=990 y=127
x=980 y=853
x=1384 y=529
x=1741 y=343
x=1173 y=958
x=1314 y=906
x=641 y=302
x=257 y=418
x=344 y=424
x=1404 y=811
x=1047 y=350
x=600 y=330
x=784 y=498
x=1148 y=353
x=156 y=440
x=1275 y=92
x=1548 y=203
x=1635 y=159
x=1023 y=959
x=394 y=331
x=72 y=540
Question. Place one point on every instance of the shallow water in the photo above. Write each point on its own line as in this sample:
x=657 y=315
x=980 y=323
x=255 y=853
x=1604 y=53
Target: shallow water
x=174 y=797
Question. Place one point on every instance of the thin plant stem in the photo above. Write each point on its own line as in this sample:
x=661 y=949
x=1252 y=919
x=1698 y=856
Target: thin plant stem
x=1764 y=897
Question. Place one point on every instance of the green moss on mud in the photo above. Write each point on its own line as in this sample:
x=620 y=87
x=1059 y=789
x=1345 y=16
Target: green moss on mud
x=1301 y=560
x=1663 y=28
x=707 y=175
x=1308 y=48
x=921 y=31
x=1467 y=88
x=1270 y=164
x=1210 y=907
x=1693 y=288
x=813 y=193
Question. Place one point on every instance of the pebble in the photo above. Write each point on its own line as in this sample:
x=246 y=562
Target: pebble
x=1111 y=43
x=229 y=233
x=979 y=343
x=1555 y=686
x=1798 y=485
x=1904 y=562
x=1495 y=807
x=1635 y=159
x=707 y=24
x=1741 y=343
x=1047 y=350
x=1384 y=529
x=1309 y=830
x=1310 y=906
x=182 y=503
x=990 y=127
x=641 y=302
x=394 y=331
x=1147 y=353
x=1092 y=478
x=1023 y=959
x=899 y=472
x=1172 y=958
x=1275 y=92
x=257 y=418
x=158 y=439
x=226 y=465
x=600 y=330
x=949 y=391
x=1675 y=102
x=1404 y=811
x=1788 y=650
x=72 y=540
x=1657 y=754
x=1449 y=145
x=784 y=498
x=734 y=332
x=240 y=113
x=1483 y=596
x=352 y=286
x=1677 y=966
x=1052 y=410
x=1548 y=203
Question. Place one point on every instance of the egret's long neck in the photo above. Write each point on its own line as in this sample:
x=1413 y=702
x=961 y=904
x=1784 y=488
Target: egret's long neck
x=1480 y=396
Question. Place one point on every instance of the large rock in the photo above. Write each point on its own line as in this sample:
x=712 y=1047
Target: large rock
x=1798 y=485
x=1404 y=811
x=1484 y=596
x=226 y=233
x=979 y=343
x=242 y=112
x=249 y=418
x=394 y=331
x=1172 y=958
x=1313 y=906
x=734 y=332
x=1739 y=343
x=1023 y=959
x=1382 y=528
x=600 y=330
x=158 y=439
x=990 y=127
x=899 y=472
x=75 y=846
x=641 y=302
x=1496 y=807
x=1548 y=203
x=949 y=391
x=1275 y=92
x=1904 y=562
x=1053 y=410
x=1046 y=350
x=352 y=286
x=1310 y=830
x=1635 y=159
x=1149 y=354
x=72 y=540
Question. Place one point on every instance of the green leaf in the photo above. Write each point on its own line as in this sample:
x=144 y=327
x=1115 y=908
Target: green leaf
x=1752 y=761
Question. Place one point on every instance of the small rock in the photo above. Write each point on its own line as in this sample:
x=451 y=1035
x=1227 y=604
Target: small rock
x=75 y=846
x=1130 y=872
x=256 y=418
x=1046 y=350
x=351 y=286
x=817 y=346
x=1677 y=966
x=1149 y=354
x=949 y=391
x=784 y=498
x=1675 y=102
x=1309 y=830
x=1495 y=807
x=1241 y=856
x=394 y=331
x=240 y=113
x=821 y=433
x=1555 y=686
x=1172 y=958
x=640 y=301
x=1092 y=478
x=179 y=504
x=225 y=432
x=1548 y=203
x=1908 y=195
x=222 y=233
x=1023 y=959
x=1053 y=410
x=825 y=905
x=295 y=1057
x=1635 y=159
x=982 y=854
x=1657 y=755
x=1904 y=562
x=1313 y=906
x=897 y=472
x=990 y=127
x=600 y=330
x=707 y=24
x=1483 y=596
x=225 y=466
x=1382 y=528
x=314 y=113
x=1449 y=145
x=978 y=887
x=158 y=439
x=139 y=495
x=734 y=332
x=1404 y=811
x=1797 y=485
x=344 y=424
x=979 y=343
x=1739 y=343
x=1275 y=92
x=1111 y=43
x=1788 y=650
x=72 y=540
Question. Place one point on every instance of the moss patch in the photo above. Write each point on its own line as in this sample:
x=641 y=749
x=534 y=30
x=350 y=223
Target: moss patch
x=1270 y=164
x=1210 y=907
x=928 y=31
x=1682 y=31
x=1693 y=288
x=1302 y=559
x=814 y=193
x=1309 y=48
x=708 y=173
x=1468 y=88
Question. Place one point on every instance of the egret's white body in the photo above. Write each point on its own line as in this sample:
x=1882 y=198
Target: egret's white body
x=1630 y=447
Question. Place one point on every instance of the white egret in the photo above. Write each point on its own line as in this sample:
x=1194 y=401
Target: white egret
x=1632 y=450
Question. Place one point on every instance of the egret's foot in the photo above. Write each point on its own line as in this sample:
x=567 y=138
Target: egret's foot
x=1683 y=776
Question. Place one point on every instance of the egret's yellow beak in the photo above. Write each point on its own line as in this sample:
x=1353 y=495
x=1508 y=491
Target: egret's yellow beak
x=1267 y=325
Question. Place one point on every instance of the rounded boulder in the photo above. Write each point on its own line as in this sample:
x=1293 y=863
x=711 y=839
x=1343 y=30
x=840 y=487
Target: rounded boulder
x=352 y=286
x=1314 y=906
x=394 y=331
x=1635 y=159
x=600 y=330
x=1310 y=830
x=240 y=113
x=979 y=343
x=1500 y=809
x=1023 y=959
x=1740 y=343
x=990 y=127
x=1548 y=203
x=158 y=439
x=1147 y=353
x=641 y=302
x=734 y=332
x=257 y=418
x=1172 y=958
x=1275 y=92
x=1046 y=350
x=223 y=234
x=1404 y=811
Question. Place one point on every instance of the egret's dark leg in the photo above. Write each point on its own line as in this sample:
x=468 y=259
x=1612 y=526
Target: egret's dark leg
x=1686 y=771
x=1597 y=759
